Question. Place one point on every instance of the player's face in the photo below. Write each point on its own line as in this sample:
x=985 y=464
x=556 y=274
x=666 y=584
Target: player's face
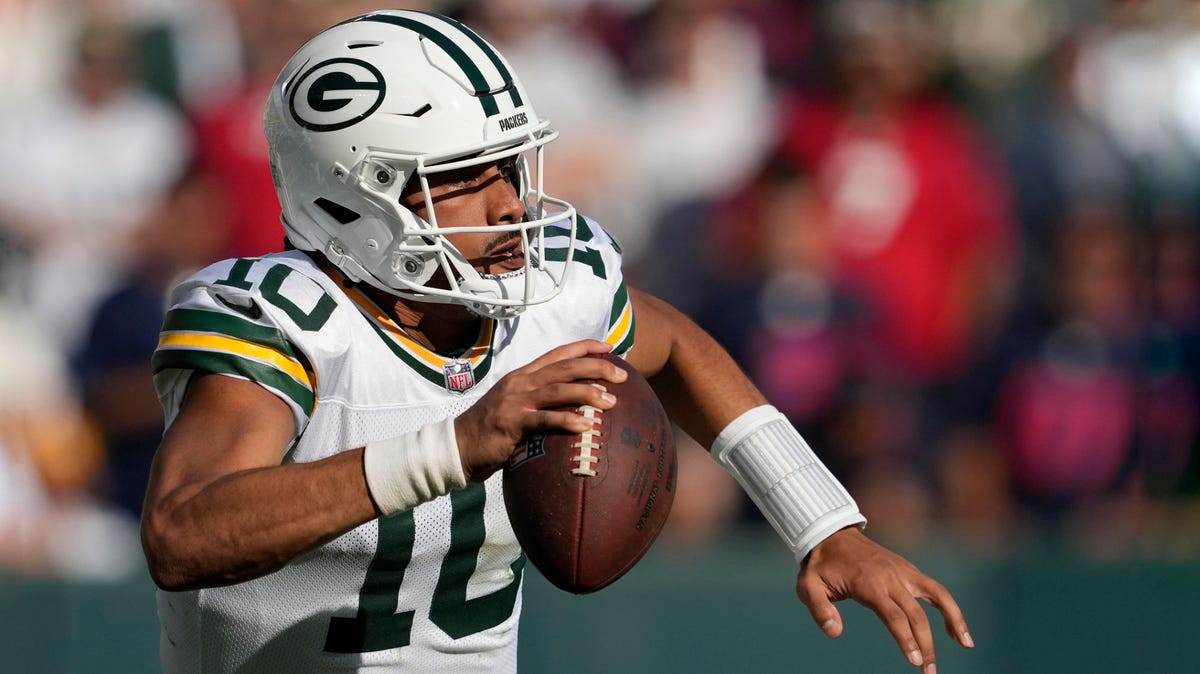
x=471 y=197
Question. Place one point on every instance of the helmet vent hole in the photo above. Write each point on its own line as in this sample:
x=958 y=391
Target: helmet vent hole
x=365 y=43
x=336 y=211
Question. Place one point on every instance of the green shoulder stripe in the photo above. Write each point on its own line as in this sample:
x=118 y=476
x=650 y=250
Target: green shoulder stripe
x=227 y=363
x=199 y=320
x=619 y=302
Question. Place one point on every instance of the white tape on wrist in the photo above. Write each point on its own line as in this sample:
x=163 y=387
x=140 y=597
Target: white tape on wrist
x=406 y=471
x=797 y=494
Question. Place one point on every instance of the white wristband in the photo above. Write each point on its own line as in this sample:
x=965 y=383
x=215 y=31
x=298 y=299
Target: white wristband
x=406 y=471
x=797 y=494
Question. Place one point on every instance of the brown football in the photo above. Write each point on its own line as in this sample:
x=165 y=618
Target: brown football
x=586 y=507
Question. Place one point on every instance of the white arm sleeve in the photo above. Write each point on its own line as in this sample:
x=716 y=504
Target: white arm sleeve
x=797 y=494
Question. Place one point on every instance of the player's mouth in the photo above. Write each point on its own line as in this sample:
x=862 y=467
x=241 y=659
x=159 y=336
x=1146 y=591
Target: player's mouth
x=508 y=256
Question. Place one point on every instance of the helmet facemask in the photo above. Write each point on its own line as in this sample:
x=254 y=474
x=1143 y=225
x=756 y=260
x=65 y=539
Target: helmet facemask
x=419 y=248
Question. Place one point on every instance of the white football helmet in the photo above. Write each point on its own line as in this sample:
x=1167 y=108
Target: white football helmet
x=392 y=96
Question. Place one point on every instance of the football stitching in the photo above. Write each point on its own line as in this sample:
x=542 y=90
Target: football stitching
x=589 y=441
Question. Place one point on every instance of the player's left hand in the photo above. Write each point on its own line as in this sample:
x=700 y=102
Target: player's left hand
x=848 y=565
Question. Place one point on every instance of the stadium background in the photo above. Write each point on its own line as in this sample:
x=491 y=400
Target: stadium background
x=954 y=240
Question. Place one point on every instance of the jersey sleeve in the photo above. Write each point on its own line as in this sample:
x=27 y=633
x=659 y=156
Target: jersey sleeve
x=620 y=322
x=219 y=323
x=619 y=328
x=598 y=291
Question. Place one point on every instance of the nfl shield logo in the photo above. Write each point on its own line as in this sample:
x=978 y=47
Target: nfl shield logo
x=530 y=448
x=459 y=376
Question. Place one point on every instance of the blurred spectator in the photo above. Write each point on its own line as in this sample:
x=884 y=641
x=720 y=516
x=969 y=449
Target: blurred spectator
x=185 y=233
x=915 y=221
x=1069 y=400
x=992 y=43
x=230 y=142
x=1125 y=79
x=1169 y=433
x=701 y=123
x=880 y=234
x=916 y=210
x=189 y=48
x=786 y=30
x=1175 y=279
x=975 y=503
x=1058 y=157
x=773 y=298
x=1088 y=347
x=546 y=41
x=1185 y=101
x=50 y=456
x=35 y=54
x=80 y=170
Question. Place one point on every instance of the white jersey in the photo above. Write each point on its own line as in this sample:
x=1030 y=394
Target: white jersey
x=434 y=589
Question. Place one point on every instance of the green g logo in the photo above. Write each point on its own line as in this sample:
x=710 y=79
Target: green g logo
x=335 y=94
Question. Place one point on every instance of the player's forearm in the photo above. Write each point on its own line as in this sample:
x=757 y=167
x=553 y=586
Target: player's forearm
x=700 y=385
x=250 y=523
x=706 y=393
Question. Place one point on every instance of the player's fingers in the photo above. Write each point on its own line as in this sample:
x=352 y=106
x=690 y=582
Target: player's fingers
x=918 y=624
x=572 y=394
x=569 y=421
x=956 y=625
x=582 y=368
x=579 y=349
x=576 y=368
x=897 y=622
x=812 y=593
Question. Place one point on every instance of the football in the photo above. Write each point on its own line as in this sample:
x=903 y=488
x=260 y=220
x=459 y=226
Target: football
x=586 y=507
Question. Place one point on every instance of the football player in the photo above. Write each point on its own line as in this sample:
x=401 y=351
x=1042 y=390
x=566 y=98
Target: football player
x=327 y=494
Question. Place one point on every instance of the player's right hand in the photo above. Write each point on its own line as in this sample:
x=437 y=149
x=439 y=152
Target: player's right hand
x=541 y=397
x=848 y=565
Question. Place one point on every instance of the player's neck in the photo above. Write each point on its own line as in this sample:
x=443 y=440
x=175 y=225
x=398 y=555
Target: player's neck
x=447 y=329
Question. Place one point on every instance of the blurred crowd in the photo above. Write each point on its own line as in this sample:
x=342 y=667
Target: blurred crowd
x=957 y=242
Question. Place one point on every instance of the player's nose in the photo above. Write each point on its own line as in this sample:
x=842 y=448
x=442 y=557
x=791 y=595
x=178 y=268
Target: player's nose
x=504 y=204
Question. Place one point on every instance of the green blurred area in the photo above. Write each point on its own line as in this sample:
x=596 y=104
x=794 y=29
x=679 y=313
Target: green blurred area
x=728 y=608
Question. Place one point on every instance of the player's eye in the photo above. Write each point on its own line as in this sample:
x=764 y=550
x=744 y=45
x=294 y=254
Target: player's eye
x=508 y=171
x=463 y=177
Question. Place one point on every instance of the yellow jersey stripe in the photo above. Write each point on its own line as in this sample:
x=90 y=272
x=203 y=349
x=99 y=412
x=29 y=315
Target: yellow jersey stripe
x=239 y=347
x=621 y=330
